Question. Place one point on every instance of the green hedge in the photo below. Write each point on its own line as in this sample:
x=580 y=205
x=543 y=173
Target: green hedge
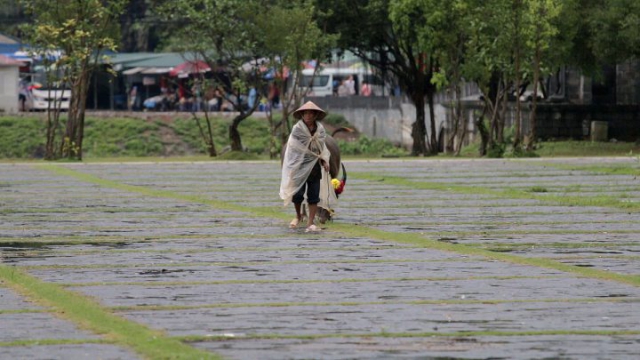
x=25 y=138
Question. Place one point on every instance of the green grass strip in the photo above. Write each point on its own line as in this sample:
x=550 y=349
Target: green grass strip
x=260 y=249
x=501 y=246
x=414 y=239
x=363 y=303
x=605 y=201
x=248 y=263
x=362 y=231
x=385 y=334
x=23 y=311
x=611 y=170
x=219 y=205
x=124 y=239
x=496 y=233
x=90 y=315
x=37 y=342
x=313 y=281
x=431 y=223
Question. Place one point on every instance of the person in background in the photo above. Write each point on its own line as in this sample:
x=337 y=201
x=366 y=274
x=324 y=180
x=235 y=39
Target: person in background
x=351 y=85
x=251 y=100
x=133 y=98
x=365 y=89
x=274 y=95
x=343 y=89
x=23 y=92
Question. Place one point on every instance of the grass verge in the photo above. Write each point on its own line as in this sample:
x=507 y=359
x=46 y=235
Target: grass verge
x=601 y=200
x=384 y=334
x=90 y=315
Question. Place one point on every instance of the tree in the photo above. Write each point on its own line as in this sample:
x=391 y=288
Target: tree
x=543 y=14
x=441 y=31
x=615 y=30
x=138 y=27
x=487 y=62
x=287 y=45
x=82 y=30
x=366 y=30
x=224 y=35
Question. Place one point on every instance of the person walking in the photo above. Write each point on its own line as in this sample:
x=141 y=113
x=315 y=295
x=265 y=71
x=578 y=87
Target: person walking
x=305 y=166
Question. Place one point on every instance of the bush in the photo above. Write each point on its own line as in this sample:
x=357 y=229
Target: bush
x=336 y=120
x=121 y=137
x=370 y=147
x=22 y=138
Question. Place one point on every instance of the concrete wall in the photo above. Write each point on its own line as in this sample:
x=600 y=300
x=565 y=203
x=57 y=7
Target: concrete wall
x=627 y=84
x=567 y=121
x=9 y=89
x=380 y=117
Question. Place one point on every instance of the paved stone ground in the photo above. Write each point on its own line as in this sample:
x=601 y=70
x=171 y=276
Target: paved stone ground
x=189 y=261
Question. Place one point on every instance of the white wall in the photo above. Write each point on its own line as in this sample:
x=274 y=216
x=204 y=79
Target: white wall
x=9 y=89
x=381 y=117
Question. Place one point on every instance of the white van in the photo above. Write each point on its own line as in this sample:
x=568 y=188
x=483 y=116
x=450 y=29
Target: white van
x=327 y=80
x=43 y=99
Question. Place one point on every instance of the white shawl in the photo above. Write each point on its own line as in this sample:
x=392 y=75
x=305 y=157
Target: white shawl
x=302 y=152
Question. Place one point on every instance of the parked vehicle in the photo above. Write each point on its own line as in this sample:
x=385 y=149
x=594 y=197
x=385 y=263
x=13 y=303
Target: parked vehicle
x=327 y=81
x=42 y=99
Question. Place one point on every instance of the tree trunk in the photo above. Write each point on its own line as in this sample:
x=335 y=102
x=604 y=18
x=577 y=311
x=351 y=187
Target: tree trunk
x=273 y=150
x=208 y=136
x=53 y=123
x=234 y=134
x=517 y=136
x=482 y=129
x=432 y=147
x=67 y=144
x=458 y=125
x=81 y=113
x=531 y=136
x=418 y=129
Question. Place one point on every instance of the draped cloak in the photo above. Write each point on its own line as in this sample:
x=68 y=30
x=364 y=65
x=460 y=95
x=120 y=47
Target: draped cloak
x=303 y=151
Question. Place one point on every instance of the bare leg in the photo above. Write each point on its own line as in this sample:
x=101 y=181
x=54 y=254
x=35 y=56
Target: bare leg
x=313 y=208
x=298 y=211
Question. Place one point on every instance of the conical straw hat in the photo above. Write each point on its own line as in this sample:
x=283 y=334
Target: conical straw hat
x=309 y=105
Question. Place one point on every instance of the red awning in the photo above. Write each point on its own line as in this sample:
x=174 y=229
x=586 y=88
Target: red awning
x=190 y=67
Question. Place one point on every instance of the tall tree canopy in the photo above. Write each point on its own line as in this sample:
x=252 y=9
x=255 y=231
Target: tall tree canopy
x=288 y=44
x=223 y=33
x=82 y=30
x=365 y=29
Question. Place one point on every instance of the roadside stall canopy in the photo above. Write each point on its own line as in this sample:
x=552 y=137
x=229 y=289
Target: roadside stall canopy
x=190 y=67
x=146 y=63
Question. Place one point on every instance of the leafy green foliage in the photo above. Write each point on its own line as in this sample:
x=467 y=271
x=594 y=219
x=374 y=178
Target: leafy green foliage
x=21 y=137
x=125 y=137
x=336 y=120
x=538 y=189
x=371 y=147
x=81 y=30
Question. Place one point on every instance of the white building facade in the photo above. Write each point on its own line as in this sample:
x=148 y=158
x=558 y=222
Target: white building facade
x=9 y=79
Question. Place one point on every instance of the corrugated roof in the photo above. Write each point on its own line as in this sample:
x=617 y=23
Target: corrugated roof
x=7 y=61
x=6 y=39
x=124 y=58
x=148 y=60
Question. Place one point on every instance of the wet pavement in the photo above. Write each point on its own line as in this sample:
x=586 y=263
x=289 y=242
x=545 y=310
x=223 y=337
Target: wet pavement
x=201 y=251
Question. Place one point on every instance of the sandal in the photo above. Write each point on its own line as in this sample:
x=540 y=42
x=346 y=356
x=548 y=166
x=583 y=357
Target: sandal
x=312 y=228
x=294 y=223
